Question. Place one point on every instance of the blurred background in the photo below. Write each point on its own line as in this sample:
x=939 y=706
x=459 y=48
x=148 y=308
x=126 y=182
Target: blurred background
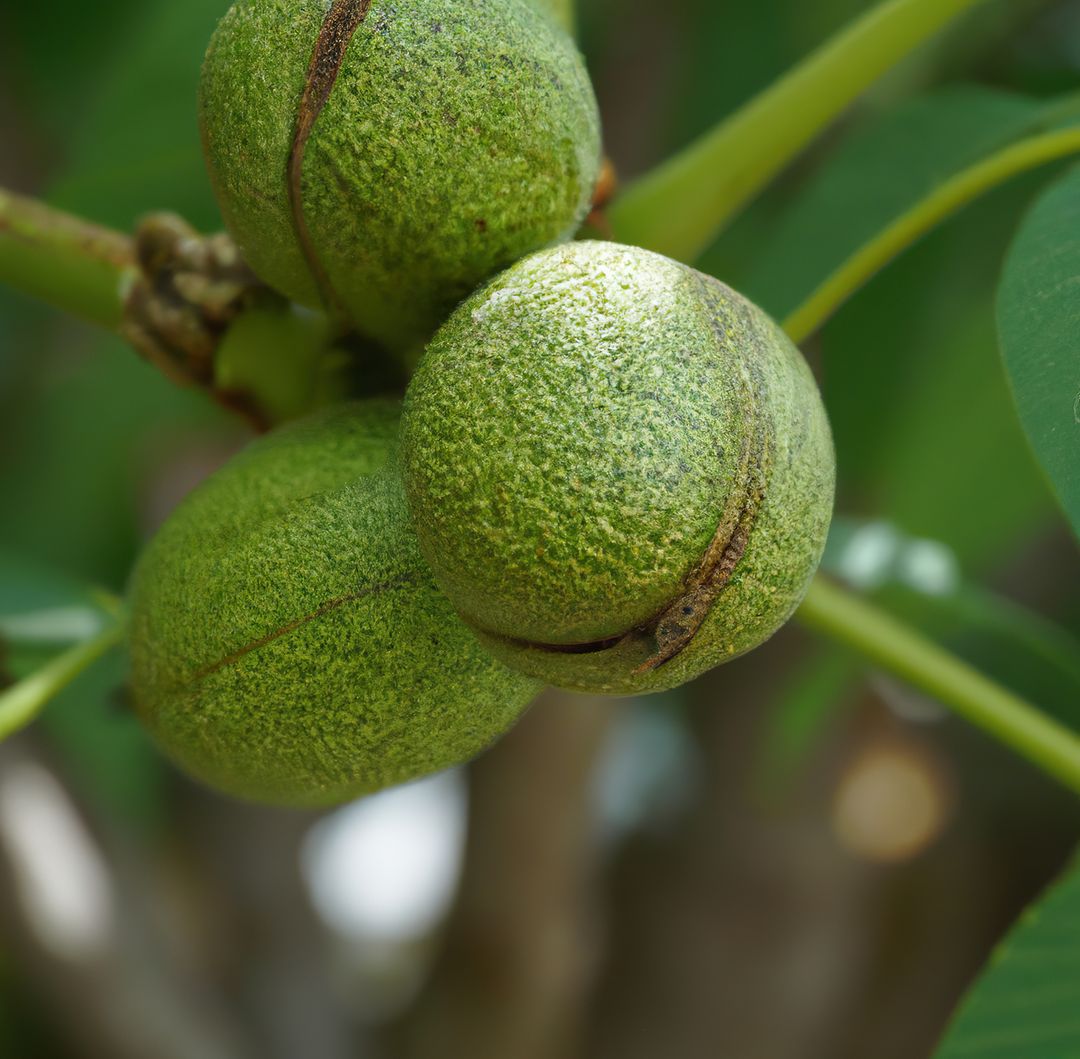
x=793 y=857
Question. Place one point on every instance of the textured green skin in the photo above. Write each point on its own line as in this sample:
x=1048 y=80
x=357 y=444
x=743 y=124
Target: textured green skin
x=570 y=442
x=381 y=688
x=460 y=135
x=561 y=10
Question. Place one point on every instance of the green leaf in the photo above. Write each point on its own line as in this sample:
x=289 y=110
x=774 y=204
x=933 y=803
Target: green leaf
x=946 y=200
x=919 y=405
x=1024 y=1006
x=880 y=174
x=909 y=369
x=1039 y=328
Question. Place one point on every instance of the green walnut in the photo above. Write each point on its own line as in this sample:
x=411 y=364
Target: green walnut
x=288 y=642
x=620 y=470
x=560 y=10
x=382 y=158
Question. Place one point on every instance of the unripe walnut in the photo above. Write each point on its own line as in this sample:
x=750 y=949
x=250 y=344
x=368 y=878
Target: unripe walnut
x=385 y=157
x=620 y=470
x=288 y=642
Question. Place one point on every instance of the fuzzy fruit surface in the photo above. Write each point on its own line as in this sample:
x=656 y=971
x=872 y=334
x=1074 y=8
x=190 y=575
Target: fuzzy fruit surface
x=560 y=10
x=458 y=135
x=288 y=642
x=620 y=469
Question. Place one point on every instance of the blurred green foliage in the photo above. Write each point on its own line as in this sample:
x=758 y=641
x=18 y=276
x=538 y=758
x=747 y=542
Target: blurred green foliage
x=87 y=427
x=1037 y=321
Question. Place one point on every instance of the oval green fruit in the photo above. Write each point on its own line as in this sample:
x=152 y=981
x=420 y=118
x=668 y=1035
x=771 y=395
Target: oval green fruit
x=288 y=642
x=385 y=157
x=620 y=470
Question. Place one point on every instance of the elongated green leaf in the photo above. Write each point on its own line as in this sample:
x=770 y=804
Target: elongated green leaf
x=1039 y=327
x=945 y=201
x=1026 y=1004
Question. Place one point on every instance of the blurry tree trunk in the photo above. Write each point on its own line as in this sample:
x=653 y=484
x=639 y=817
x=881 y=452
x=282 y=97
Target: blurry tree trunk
x=512 y=978
x=734 y=932
x=262 y=940
x=749 y=930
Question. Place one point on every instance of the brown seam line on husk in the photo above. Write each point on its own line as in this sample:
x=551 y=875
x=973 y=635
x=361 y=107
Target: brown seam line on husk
x=304 y=619
x=336 y=33
x=675 y=627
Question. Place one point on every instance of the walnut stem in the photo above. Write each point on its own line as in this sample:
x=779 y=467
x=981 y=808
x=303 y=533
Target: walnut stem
x=72 y=264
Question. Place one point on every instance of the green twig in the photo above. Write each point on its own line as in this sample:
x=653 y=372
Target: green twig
x=942 y=203
x=275 y=361
x=66 y=261
x=681 y=206
x=22 y=702
x=908 y=654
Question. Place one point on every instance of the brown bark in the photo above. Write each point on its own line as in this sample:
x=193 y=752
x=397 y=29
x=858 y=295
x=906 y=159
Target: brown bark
x=518 y=954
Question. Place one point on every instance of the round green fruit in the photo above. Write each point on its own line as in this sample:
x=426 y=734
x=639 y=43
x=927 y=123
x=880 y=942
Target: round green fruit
x=288 y=642
x=382 y=158
x=619 y=469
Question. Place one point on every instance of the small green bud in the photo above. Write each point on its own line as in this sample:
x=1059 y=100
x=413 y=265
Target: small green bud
x=620 y=470
x=385 y=157
x=288 y=642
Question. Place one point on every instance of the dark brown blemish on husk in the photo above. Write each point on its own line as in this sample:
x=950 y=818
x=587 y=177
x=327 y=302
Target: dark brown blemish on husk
x=674 y=628
x=336 y=33
x=679 y=624
x=304 y=619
